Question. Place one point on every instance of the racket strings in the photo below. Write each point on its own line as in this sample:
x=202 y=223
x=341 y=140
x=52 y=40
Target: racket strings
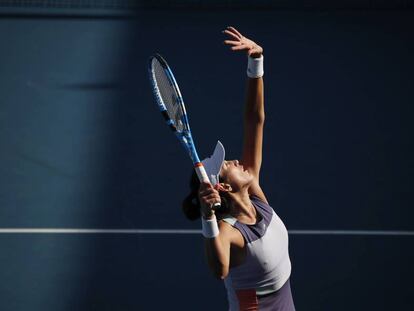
x=168 y=95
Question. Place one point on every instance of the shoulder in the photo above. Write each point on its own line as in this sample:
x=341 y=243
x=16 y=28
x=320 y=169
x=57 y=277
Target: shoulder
x=230 y=234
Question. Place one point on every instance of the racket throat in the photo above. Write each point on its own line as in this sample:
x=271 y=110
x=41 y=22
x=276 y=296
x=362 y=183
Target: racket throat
x=201 y=172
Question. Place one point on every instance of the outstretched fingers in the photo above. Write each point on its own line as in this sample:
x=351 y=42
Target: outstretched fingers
x=240 y=47
x=232 y=34
x=234 y=30
x=237 y=42
x=231 y=42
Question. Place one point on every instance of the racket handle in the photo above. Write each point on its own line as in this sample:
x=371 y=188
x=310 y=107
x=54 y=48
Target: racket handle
x=202 y=176
x=201 y=172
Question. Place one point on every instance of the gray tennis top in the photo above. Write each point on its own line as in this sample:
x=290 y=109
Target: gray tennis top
x=267 y=265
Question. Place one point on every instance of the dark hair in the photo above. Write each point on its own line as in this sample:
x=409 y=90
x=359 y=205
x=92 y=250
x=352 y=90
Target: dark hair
x=191 y=204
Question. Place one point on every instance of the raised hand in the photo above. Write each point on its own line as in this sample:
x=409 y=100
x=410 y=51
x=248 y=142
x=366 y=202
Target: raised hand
x=238 y=42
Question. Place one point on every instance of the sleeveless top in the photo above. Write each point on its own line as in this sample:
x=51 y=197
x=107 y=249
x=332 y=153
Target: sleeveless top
x=267 y=266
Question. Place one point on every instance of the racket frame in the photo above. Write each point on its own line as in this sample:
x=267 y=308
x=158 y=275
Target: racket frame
x=184 y=136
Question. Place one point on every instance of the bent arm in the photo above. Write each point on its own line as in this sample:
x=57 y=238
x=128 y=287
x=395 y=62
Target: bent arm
x=217 y=245
x=218 y=252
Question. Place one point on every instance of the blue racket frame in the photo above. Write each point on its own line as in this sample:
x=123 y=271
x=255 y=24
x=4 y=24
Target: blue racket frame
x=184 y=136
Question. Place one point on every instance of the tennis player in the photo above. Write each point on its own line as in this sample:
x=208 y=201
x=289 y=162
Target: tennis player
x=246 y=242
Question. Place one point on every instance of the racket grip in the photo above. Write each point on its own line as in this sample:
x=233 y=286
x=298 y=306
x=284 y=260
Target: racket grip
x=201 y=172
x=203 y=177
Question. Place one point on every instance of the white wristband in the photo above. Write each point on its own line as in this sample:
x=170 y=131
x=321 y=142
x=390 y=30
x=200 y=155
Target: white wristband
x=209 y=227
x=255 y=67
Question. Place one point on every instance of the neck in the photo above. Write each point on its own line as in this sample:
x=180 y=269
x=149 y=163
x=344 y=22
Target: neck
x=242 y=208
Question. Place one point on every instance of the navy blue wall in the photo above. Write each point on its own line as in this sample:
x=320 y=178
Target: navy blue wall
x=82 y=145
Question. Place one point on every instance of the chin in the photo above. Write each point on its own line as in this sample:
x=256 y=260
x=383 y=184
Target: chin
x=249 y=180
x=240 y=184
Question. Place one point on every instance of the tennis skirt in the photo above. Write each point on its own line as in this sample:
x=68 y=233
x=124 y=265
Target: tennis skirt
x=280 y=300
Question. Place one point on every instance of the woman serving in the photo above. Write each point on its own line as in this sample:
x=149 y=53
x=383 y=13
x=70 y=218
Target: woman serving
x=246 y=242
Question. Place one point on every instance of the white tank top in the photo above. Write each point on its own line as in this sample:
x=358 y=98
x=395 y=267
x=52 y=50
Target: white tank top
x=267 y=264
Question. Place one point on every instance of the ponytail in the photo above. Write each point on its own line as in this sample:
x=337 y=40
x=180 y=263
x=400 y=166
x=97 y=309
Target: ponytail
x=191 y=206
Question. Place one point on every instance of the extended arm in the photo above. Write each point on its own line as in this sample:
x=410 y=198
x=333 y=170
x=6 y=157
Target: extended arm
x=254 y=114
x=254 y=117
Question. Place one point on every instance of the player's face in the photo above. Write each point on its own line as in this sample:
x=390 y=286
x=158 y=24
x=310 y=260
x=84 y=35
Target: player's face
x=233 y=173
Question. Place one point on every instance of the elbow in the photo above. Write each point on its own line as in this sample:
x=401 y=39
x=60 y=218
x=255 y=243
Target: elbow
x=220 y=276
x=260 y=119
x=255 y=118
x=220 y=273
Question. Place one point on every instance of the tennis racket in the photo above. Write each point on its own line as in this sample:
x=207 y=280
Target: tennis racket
x=171 y=104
